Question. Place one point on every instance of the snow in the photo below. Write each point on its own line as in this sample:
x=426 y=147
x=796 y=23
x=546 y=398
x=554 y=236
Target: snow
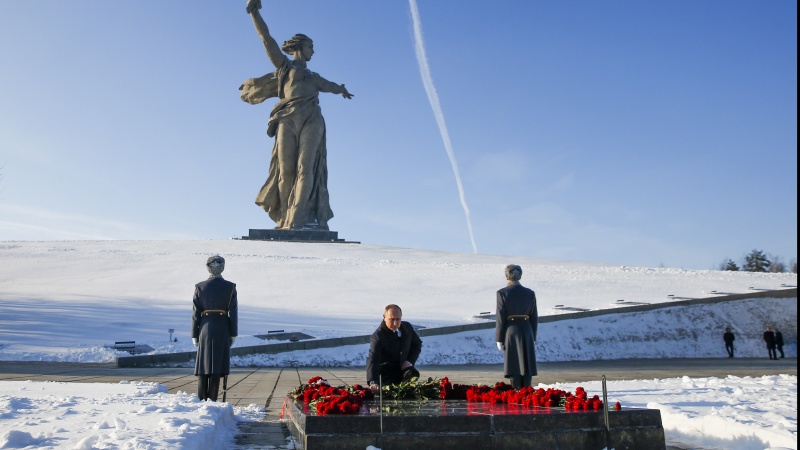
x=102 y=415
x=727 y=413
x=64 y=300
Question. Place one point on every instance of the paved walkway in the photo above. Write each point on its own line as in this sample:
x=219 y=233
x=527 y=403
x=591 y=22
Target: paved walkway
x=267 y=386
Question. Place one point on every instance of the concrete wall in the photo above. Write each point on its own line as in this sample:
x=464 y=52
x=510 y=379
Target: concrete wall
x=690 y=325
x=691 y=328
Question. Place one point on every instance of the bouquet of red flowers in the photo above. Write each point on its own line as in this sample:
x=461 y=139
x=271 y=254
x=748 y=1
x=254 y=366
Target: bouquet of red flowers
x=526 y=396
x=325 y=399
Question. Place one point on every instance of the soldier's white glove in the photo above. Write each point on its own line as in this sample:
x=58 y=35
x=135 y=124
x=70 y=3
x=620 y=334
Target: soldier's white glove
x=233 y=339
x=501 y=346
x=194 y=341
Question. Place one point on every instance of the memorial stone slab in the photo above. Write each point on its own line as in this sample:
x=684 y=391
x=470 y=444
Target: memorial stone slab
x=458 y=424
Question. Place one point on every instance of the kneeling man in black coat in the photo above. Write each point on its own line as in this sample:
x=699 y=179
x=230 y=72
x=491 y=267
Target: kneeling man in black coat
x=393 y=349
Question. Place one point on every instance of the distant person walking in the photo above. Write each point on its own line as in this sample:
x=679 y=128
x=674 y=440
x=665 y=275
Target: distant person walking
x=515 y=328
x=769 y=338
x=214 y=328
x=728 y=337
x=779 y=341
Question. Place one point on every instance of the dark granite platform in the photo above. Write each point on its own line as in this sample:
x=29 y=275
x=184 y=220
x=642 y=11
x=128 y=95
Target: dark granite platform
x=296 y=236
x=457 y=424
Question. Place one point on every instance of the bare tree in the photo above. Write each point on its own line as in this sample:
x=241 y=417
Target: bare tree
x=776 y=264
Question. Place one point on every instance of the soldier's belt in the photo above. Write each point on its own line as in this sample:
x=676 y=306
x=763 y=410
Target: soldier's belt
x=215 y=312
x=521 y=317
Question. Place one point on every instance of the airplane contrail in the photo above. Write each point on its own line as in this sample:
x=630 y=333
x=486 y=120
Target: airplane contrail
x=433 y=97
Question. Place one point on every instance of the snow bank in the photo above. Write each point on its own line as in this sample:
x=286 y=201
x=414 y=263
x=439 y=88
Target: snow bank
x=100 y=415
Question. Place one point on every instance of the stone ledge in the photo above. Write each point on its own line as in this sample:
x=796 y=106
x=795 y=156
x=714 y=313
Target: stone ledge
x=184 y=357
x=296 y=236
x=457 y=424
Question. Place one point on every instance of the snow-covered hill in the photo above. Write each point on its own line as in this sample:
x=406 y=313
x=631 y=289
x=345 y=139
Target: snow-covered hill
x=65 y=299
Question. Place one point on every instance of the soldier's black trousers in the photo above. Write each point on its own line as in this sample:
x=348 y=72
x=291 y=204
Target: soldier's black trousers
x=518 y=381
x=208 y=387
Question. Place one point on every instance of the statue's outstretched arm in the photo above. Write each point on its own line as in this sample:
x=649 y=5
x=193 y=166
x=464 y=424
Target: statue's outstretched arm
x=340 y=89
x=334 y=88
x=273 y=49
x=346 y=94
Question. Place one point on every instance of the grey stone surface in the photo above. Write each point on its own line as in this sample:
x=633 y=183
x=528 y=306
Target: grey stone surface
x=295 y=236
x=292 y=337
x=261 y=435
x=453 y=424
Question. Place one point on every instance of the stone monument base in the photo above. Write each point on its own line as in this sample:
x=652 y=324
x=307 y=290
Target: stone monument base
x=296 y=236
x=459 y=425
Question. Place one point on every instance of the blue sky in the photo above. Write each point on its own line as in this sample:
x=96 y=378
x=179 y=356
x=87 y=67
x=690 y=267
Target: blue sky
x=627 y=132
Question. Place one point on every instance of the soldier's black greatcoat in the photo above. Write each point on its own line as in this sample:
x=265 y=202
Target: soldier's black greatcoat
x=214 y=330
x=516 y=326
x=387 y=353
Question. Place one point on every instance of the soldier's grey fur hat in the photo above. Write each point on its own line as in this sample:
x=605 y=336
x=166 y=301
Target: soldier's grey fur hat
x=215 y=265
x=513 y=272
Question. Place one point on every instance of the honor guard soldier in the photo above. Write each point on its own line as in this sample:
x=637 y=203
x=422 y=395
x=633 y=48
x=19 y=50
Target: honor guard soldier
x=214 y=328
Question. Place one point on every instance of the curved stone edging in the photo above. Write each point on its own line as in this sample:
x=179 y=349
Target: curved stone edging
x=185 y=357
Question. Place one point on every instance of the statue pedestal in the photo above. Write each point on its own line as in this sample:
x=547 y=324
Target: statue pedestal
x=296 y=236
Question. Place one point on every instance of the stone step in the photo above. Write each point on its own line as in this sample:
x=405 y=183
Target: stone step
x=263 y=435
x=458 y=424
x=295 y=236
